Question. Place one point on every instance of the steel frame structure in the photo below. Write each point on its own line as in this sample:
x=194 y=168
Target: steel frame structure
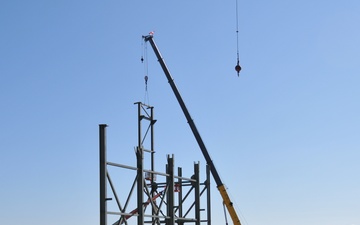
x=180 y=198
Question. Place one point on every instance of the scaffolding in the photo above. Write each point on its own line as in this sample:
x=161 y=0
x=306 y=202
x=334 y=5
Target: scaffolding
x=170 y=198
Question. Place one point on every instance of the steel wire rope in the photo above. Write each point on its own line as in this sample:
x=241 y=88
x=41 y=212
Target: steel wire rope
x=237 y=31
x=144 y=60
x=237 y=67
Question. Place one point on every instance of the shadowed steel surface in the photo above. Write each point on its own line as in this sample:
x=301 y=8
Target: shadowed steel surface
x=102 y=148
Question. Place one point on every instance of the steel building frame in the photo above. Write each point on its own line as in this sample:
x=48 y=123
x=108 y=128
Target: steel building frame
x=179 y=200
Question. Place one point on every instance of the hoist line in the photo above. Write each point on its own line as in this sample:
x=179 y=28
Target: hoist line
x=237 y=67
x=144 y=59
x=237 y=30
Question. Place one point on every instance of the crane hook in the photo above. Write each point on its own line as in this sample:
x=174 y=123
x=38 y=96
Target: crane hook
x=238 y=67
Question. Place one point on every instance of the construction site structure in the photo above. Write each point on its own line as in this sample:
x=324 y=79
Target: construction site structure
x=161 y=197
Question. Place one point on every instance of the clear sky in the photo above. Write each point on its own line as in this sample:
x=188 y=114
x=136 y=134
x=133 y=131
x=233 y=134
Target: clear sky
x=284 y=135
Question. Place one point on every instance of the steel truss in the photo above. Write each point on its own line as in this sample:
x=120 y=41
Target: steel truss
x=162 y=198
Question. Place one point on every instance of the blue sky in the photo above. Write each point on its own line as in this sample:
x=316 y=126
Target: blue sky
x=284 y=136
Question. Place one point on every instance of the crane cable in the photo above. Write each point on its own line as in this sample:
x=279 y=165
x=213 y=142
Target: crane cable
x=237 y=67
x=144 y=60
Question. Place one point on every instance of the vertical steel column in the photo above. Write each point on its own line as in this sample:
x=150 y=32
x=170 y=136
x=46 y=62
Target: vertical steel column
x=152 y=122
x=102 y=148
x=170 y=192
x=153 y=212
x=152 y=163
x=140 y=172
x=152 y=150
x=197 y=194
x=180 y=196
x=208 y=194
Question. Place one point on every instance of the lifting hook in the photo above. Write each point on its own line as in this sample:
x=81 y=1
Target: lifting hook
x=238 y=67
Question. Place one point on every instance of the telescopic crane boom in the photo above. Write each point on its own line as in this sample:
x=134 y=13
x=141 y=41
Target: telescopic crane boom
x=228 y=203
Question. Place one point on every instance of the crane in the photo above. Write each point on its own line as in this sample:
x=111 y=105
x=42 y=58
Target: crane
x=220 y=186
